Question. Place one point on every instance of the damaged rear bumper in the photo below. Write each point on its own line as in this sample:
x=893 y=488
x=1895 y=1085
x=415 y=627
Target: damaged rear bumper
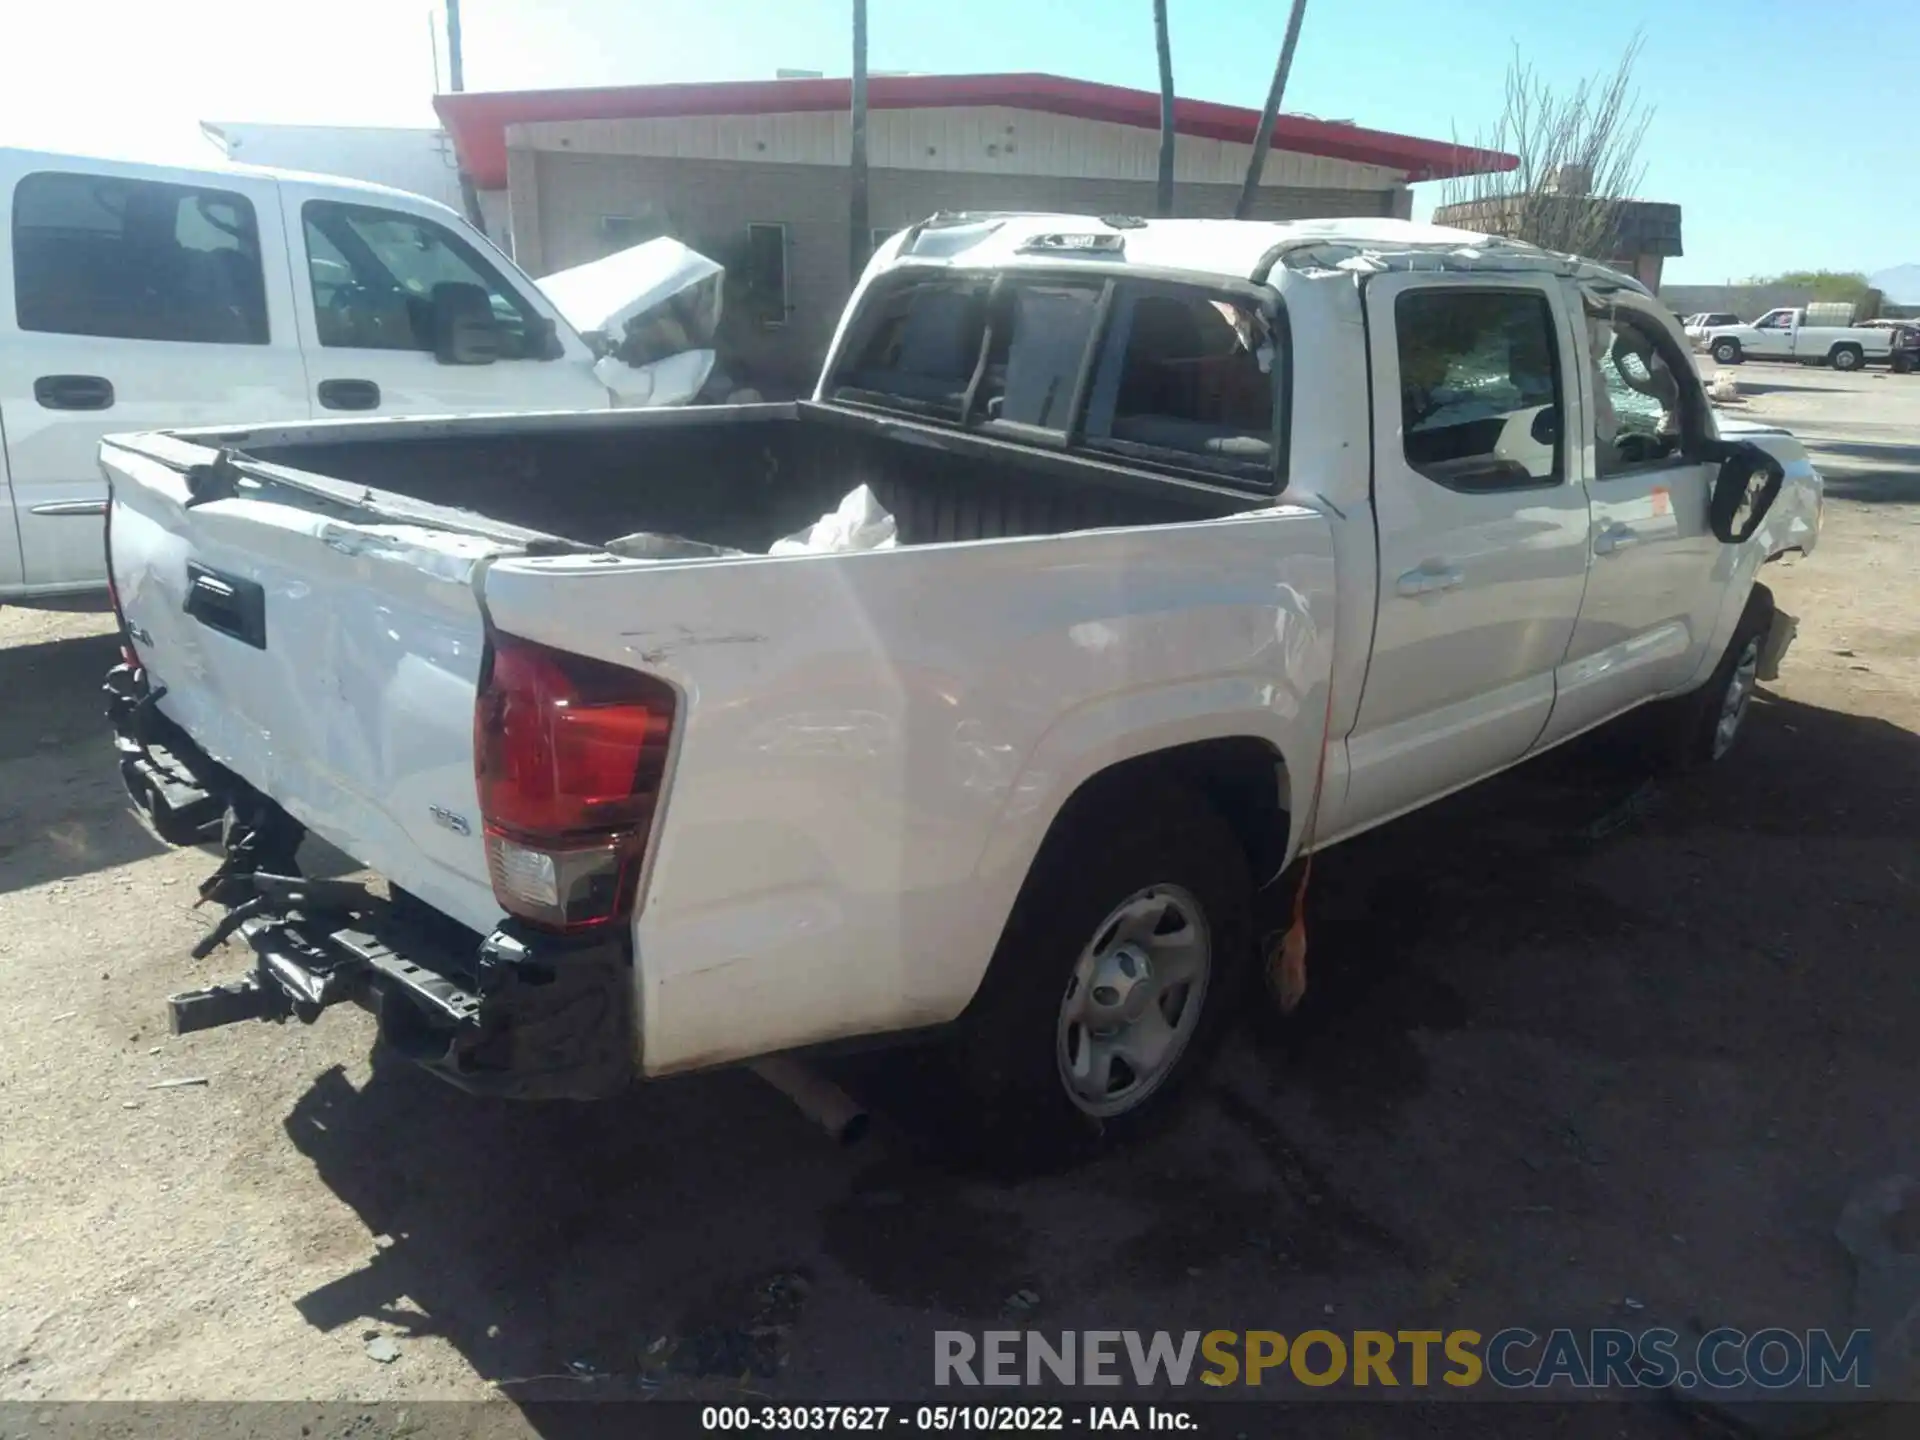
x=517 y=1013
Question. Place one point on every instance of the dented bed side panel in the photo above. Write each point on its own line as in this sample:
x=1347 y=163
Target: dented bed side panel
x=872 y=746
x=355 y=708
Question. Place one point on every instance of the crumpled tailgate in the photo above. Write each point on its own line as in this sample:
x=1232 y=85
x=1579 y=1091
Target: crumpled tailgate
x=330 y=662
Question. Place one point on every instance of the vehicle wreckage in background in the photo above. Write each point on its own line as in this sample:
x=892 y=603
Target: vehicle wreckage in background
x=651 y=314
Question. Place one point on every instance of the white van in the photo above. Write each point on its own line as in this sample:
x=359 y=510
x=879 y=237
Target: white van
x=139 y=297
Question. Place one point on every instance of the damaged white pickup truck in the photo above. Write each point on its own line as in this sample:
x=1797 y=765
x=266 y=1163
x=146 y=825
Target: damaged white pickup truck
x=1215 y=543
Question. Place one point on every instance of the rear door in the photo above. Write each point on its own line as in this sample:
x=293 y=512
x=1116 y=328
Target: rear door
x=135 y=298
x=365 y=272
x=1482 y=527
x=1652 y=598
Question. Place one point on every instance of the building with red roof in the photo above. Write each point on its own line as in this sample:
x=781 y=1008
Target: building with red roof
x=754 y=173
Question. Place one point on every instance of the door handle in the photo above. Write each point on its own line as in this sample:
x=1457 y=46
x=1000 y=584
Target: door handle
x=1429 y=580
x=349 y=395
x=74 y=392
x=1616 y=536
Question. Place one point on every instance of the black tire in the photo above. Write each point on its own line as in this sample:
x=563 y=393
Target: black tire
x=1107 y=847
x=1689 y=725
x=1727 y=352
x=1848 y=357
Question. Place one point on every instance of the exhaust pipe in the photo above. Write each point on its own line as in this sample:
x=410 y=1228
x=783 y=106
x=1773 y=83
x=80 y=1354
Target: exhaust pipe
x=817 y=1097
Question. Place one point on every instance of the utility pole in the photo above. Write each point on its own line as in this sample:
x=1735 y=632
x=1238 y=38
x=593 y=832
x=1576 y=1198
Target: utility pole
x=1163 y=46
x=860 y=232
x=457 y=81
x=1263 y=137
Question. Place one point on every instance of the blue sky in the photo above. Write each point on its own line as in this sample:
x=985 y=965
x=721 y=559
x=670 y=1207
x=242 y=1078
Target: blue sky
x=1786 y=128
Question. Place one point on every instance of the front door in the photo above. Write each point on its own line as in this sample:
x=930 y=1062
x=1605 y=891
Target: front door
x=366 y=275
x=1482 y=528
x=1772 y=336
x=1653 y=598
x=141 y=299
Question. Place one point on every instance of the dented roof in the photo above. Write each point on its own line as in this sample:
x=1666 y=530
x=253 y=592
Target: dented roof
x=1241 y=249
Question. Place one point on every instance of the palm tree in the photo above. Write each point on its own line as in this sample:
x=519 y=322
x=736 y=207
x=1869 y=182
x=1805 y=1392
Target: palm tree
x=1263 y=136
x=859 y=233
x=1164 y=195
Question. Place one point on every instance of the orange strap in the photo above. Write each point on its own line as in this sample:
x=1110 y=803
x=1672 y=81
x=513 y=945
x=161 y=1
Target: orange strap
x=1287 y=967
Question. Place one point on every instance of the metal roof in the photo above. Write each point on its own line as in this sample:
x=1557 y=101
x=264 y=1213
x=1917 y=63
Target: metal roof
x=478 y=120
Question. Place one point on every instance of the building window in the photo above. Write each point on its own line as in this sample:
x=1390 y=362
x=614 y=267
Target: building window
x=622 y=232
x=766 y=274
x=136 y=260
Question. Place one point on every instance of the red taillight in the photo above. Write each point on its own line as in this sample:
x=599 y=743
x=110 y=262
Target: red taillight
x=569 y=756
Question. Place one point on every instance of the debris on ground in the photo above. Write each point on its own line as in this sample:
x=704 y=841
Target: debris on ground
x=382 y=1348
x=184 y=1080
x=1635 y=807
x=736 y=1344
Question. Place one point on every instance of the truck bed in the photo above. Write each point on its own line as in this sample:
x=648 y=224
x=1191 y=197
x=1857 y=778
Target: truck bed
x=738 y=476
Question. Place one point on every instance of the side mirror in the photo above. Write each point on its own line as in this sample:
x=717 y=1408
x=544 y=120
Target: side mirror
x=1745 y=489
x=543 y=339
x=464 y=329
x=1546 y=425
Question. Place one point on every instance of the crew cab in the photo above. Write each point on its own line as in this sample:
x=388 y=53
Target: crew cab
x=1216 y=543
x=1813 y=332
x=136 y=296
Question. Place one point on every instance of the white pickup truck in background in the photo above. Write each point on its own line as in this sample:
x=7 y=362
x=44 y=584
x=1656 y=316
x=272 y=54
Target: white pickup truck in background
x=1216 y=543
x=1824 y=332
x=141 y=297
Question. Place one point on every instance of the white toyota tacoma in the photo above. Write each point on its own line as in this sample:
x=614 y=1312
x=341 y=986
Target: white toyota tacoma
x=1214 y=543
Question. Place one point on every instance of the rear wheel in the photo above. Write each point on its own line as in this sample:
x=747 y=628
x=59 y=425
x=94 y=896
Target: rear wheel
x=1848 y=357
x=1115 y=976
x=1727 y=352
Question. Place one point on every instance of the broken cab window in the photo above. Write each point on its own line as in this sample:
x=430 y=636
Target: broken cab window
x=1479 y=387
x=921 y=343
x=1188 y=376
x=1641 y=401
x=1039 y=337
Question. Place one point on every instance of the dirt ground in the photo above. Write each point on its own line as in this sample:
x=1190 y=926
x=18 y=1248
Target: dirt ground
x=1581 y=1050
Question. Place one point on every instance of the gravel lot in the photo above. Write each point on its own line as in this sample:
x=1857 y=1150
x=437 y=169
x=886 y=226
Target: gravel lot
x=1581 y=1050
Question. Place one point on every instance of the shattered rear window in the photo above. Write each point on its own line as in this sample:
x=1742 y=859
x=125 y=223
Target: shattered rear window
x=921 y=344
